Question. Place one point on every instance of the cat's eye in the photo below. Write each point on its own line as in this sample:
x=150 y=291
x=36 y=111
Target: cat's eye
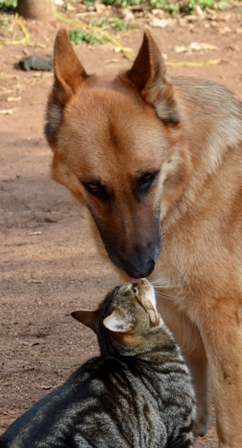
x=134 y=288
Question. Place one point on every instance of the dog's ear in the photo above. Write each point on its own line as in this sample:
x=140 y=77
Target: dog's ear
x=148 y=74
x=69 y=74
x=68 y=70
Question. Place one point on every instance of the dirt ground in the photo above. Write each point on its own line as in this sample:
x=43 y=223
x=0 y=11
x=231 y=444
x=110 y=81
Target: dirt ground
x=49 y=265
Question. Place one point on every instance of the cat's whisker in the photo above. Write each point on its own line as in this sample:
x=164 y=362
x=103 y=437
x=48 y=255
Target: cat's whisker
x=168 y=286
x=165 y=283
x=168 y=296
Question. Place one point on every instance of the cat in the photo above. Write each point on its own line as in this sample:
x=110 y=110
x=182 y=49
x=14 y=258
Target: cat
x=136 y=394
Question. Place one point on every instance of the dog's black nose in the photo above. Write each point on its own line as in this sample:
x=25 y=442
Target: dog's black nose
x=140 y=269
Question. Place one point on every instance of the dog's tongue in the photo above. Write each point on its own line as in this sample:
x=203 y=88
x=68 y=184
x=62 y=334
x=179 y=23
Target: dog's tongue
x=134 y=280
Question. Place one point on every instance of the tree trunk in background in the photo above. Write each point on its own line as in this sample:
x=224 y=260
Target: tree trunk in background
x=37 y=9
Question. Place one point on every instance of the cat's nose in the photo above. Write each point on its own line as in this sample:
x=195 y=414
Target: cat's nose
x=143 y=281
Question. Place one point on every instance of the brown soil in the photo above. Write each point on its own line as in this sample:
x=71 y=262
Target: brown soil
x=49 y=265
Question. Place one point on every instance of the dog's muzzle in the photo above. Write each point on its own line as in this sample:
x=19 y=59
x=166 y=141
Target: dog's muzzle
x=139 y=269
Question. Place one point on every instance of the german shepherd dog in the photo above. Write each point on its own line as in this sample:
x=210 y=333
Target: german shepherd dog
x=158 y=164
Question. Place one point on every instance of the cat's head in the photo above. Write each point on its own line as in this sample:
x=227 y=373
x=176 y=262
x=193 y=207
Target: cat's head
x=125 y=318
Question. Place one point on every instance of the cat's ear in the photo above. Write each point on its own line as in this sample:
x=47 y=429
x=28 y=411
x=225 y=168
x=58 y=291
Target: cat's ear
x=88 y=318
x=116 y=322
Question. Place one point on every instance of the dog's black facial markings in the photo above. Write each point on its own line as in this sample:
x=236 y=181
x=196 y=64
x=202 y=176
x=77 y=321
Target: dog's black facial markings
x=144 y=180
x=132 y=249
x=139 y=260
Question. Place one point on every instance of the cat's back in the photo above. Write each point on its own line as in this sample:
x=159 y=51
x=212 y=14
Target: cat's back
x=101 y=405
x=166 y=385
x=146 y=401
x=56 y=420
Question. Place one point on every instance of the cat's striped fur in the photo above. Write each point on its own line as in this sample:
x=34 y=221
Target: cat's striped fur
x=137 y=394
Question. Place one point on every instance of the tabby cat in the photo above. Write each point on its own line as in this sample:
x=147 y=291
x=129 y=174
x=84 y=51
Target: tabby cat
x=137 y=394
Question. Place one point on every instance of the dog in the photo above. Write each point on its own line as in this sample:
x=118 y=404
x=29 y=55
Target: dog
x=158 y=164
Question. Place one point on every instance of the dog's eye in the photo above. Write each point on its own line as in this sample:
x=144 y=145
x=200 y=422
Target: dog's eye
x=146 y=180
x=96 y=189
x=93 y=188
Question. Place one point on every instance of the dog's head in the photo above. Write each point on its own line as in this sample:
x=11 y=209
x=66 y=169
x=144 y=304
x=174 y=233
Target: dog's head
x=119 y=147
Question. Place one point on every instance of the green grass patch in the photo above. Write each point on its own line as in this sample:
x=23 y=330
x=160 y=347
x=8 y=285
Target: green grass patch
x=115 y=22
x=169 y=6
x=78 y=36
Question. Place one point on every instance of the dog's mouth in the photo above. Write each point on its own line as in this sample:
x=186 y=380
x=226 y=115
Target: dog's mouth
x=134 y=280
x=134 y=251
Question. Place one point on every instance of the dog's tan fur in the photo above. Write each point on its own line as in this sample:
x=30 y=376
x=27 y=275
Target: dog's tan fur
x=159 y=163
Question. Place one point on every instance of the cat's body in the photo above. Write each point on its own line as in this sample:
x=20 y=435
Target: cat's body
x=137 y=394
